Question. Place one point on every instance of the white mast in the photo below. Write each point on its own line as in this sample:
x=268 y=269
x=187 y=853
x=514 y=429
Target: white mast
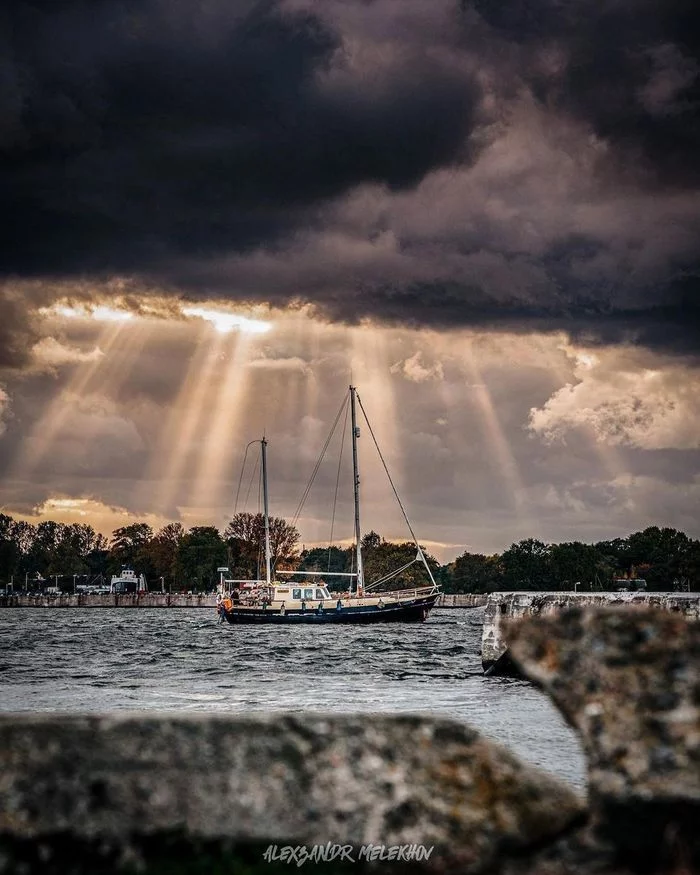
x=356 y=492
x=268 y=577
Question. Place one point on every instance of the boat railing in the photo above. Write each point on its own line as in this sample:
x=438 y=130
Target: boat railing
x=400 y=594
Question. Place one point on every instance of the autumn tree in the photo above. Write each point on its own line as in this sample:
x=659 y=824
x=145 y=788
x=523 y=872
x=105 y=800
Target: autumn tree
x=245 y=536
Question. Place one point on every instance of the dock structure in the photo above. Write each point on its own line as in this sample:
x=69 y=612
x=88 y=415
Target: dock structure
x=172 y=600
x=462 y=600
x=111 y=600
x=504 y=607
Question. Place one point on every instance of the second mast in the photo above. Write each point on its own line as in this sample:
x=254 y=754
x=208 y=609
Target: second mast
x=356 y=492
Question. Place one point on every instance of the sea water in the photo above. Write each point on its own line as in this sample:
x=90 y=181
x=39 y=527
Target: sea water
x=105 y=659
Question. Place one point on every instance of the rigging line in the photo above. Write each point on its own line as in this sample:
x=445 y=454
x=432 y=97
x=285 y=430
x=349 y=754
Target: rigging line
x=337 y=481
x=390 y=574
x=302 y=501
x=250 y=485
x=396 y=494
x=318 y=463
x=240 y=479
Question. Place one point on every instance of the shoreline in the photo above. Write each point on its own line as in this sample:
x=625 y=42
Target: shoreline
x=174 y=600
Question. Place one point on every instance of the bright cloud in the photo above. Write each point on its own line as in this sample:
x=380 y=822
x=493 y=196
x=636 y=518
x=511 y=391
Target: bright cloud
x=103 y=517
x=98 y=312
x=625 y=397
x=52 y=353
x=4 y=407
x=416 y=371
x=292 y=363
x=225 y=322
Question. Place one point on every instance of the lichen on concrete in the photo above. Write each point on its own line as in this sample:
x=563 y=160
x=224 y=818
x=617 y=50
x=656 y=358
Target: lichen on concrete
x=504 y=607
x=629 y=683
x=115 y=780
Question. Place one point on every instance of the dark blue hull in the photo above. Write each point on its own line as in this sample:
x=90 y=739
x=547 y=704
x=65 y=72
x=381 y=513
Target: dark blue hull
x=413 y=611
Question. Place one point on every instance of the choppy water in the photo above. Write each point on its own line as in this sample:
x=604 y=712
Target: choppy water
x=100 y=659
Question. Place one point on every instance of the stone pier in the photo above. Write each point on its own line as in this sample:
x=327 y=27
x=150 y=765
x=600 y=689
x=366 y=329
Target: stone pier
x=174 y=600
x=195 y=794
x=504 y=607
x=461 y=600
x=111 y=600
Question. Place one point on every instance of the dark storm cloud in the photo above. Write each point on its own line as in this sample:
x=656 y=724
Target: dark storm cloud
x=629 y=68
x=507 y=165
x=16 y=331
x=134 y=132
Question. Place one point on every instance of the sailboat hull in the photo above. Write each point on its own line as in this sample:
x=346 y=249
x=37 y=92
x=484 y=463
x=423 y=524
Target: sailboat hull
x=410 y=611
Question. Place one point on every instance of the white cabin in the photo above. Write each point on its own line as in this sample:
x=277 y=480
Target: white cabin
x=127 y=581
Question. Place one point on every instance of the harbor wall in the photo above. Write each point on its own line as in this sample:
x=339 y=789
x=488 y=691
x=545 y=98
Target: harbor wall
x=112 y=600
x=462 y=600
x=173 y=600
x=262 y=793
x=504 y=607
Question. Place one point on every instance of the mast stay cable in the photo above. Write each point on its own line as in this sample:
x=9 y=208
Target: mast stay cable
x=303 y=498
x=396 y=494
x=240 y=479
x=337 y=481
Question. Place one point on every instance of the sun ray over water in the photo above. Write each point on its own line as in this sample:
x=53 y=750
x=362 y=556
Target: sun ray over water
x=183 y=426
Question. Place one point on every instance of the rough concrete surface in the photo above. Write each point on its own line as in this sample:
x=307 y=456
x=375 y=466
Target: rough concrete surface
x=307 y=779
x=503 y=607
x=629 y=683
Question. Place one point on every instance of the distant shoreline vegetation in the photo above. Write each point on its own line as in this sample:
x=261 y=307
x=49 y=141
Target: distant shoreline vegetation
x=71 y=555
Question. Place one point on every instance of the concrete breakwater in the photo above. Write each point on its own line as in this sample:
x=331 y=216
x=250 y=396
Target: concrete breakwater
x=111 y=600
x=462 y=600
x=173 y=600
x=504 y=607
x=215 y=793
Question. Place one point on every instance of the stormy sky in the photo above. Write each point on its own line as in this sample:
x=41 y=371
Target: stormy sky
x=487 y=214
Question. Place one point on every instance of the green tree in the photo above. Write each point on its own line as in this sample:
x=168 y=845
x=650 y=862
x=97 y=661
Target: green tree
x=526 y=565
x=475 y=572
x=199 y=553
x=23 y=534
x=9 y=549
x=689 y=577
x=574 y=562
x=162 y=550
x=326 y=559
x=380 y=558
x=128 y=547
x=662 y=551
x=614 y=559
x=44 y=553
x=371 y=541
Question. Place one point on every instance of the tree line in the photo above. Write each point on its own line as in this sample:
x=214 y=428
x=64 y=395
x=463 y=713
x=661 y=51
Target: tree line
x=663 y=557
x=179 y=559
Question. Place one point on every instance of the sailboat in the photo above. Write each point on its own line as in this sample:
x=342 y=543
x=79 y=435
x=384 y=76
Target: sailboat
x=291 y=602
